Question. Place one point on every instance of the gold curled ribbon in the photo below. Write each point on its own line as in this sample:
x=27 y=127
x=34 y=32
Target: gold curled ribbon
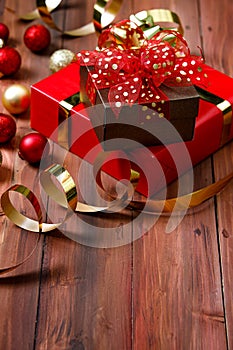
x=14 y=266
x=68 y=198
x=51 y=6
x=104 y=13
x=164 y=18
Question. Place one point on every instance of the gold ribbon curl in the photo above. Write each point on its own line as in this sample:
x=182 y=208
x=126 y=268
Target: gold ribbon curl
x=105 y=11
x=68 y=199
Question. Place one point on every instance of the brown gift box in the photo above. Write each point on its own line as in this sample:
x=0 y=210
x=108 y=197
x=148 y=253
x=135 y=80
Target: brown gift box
x=142 y=123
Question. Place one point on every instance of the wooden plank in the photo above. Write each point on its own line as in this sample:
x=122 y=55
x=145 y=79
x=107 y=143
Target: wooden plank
x=223 y=165
x=85 y=299
x=220 y=56
x=19 y=291
x=177 y=294
x=217 y=34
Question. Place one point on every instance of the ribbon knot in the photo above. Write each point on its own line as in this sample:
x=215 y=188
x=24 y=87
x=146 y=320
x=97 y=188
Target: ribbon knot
x=133 y=67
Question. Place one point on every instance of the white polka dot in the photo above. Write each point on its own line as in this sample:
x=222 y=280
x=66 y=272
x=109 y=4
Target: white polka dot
x=182 y=72
x=118 y=104
x=125 y=93
x=119 y=88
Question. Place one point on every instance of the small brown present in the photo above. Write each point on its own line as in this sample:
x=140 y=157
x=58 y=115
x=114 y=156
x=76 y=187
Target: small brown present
x=146 y=124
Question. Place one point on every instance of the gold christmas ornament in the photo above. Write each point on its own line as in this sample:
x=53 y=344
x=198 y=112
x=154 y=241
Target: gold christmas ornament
x=60 y=59
x=16 y=98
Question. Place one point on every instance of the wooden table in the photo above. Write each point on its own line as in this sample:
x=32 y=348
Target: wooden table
x=162 y=291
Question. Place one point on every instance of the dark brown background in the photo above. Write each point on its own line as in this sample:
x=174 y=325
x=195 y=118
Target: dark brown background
x=163 y=291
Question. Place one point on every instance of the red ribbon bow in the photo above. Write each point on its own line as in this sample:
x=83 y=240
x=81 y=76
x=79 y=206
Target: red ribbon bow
x=133 y=67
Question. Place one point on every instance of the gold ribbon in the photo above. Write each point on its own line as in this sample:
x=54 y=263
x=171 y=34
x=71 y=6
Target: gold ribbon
x=68 y=199
x=17 y=215
x=163 y=18
x=105 y=11
x=64 y=111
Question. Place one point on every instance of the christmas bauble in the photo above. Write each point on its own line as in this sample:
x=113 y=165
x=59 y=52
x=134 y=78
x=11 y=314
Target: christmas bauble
x=7 y=127
x=60 y=59
x=10 y=61
x=32 y=146
x=4 y=32
x=37 y=37
x=16 y=98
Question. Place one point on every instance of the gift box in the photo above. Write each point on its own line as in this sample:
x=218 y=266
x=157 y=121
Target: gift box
x=137 y=83
x=143 y=123
x=159 y=163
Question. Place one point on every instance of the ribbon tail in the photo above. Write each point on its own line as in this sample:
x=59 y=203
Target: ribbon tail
x=185 y=202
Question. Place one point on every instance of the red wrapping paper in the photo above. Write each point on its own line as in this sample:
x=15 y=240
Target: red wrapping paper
x=47 y=94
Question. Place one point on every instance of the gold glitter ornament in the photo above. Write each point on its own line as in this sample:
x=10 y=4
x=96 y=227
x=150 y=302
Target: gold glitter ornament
x=16 y=98
x=60 y=59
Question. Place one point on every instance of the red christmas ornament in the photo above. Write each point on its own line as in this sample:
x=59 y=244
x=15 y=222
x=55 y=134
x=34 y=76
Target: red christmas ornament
x=4 y=32
x=7 y=127
x=10 y=61
x=32 y=146
x=37 y=37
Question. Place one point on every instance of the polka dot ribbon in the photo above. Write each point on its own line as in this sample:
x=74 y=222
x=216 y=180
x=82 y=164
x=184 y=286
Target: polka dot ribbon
x=133 y=67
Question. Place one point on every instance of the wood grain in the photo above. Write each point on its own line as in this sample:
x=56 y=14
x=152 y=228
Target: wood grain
x=162 y=291
x=216 y=56
x=80 y=282
x=175 y=274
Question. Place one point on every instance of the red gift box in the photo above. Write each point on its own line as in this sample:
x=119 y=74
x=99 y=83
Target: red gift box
x=160 y=163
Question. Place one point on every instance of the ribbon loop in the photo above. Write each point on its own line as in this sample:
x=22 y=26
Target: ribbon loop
x=123 y=51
